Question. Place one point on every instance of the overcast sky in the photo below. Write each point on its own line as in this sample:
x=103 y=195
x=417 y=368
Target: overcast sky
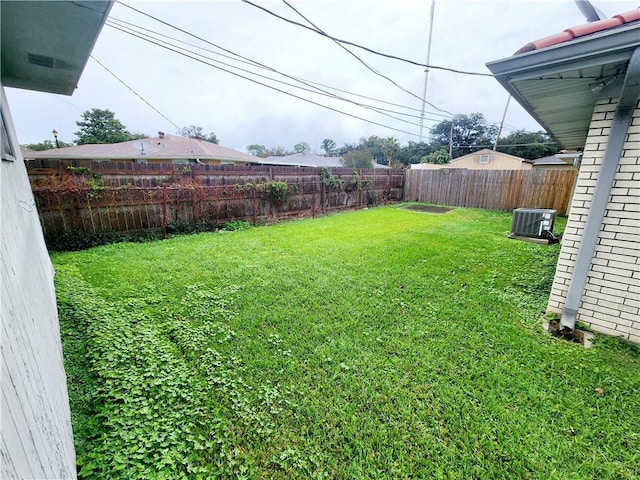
x=466 y=35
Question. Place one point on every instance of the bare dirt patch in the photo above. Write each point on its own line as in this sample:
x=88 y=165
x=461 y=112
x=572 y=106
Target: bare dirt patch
x=427 y=208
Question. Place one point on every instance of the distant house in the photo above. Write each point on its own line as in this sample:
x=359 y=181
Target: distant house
x=45 y=46
x=161 y=149
x=307 y=160
x=583 y=86
x=489 y=160
x=559 y=161
x=482 y=160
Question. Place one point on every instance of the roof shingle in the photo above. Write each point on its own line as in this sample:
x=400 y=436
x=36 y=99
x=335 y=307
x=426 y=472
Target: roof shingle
x=165 y=147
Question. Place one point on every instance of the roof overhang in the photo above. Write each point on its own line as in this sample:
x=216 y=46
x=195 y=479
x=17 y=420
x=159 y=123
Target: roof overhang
x=559 y=85
x=46 y=44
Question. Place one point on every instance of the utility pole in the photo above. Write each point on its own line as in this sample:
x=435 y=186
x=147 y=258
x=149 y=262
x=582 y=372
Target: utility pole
x=426 y=72
x=504 y=115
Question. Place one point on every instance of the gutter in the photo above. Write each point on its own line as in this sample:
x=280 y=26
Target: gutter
x=623 y=115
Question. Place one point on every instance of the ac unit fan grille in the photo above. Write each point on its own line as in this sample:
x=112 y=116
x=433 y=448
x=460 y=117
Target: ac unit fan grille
x=532 y=222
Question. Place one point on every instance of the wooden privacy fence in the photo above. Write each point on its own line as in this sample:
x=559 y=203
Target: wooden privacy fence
x=128 y=198
x=492 y=189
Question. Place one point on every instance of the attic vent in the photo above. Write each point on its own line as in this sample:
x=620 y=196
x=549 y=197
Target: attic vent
x=484 y=158
x=40 y=60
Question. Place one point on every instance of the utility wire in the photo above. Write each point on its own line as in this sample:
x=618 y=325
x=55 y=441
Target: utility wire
x=379 y=110
x=69 y=103
x=369 y=67
x=253 y=62
x=242 y=59
x=313 y=89
x=134 y=92
x=215 y=45
x=346 y=42
x=271 y=87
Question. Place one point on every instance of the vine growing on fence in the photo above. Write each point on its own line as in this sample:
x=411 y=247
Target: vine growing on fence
x=329 y=179
x=278 y=192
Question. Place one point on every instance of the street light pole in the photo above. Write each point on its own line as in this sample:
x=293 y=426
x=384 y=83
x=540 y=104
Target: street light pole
x=55 y=135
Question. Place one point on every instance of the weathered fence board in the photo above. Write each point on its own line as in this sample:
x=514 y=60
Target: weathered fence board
x=124 y=197
x=502 y=190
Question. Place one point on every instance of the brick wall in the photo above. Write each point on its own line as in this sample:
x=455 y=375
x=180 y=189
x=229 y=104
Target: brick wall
x=610 y=303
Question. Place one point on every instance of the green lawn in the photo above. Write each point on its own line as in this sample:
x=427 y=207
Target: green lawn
x=382 y=343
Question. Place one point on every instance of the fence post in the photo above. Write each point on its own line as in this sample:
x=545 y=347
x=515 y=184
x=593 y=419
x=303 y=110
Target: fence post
x=255 y=206
x=164 y=210
x=313 y=199
x=388 y=186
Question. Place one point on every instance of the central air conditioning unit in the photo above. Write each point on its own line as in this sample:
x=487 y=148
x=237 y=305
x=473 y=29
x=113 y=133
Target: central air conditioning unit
x=533 y=223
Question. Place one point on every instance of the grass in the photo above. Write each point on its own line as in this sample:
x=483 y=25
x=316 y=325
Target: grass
x=382 y=343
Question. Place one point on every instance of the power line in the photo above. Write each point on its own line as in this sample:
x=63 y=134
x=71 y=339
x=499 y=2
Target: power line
x=271 y=87
x=245 y=60
x=218 y=46
x=134 y=92
x=369 y=67
x=68 y=103
x=313 y=89
x=379 y=110
x=346 y=42
x=251 y=62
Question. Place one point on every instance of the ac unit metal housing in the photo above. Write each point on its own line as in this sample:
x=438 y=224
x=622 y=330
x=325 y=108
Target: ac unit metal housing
x=533 y=222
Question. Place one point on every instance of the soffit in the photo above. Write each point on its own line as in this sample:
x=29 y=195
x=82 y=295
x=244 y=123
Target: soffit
x=45 y=44
x=559 y=85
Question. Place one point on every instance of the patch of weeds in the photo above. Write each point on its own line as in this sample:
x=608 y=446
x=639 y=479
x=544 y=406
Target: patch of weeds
x=618 y=344
x=180 y=228
x=78 y=170
x=79 y=240
x=373 y=198
x=237 y=226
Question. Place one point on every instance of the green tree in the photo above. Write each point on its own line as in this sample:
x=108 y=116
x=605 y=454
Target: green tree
x=529 y=145
x=329 y=147
x=439 y=156
x=257 y=150
x=373 y=144
x=101 y=126
x=302 y=147
x=358 y=159
x=390 y=147
x=196 y=132
x=465 y=134
x=46 y=145
x=413 y=152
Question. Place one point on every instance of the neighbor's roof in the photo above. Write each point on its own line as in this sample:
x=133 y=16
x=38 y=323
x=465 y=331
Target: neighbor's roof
x=307 y=160
x=550 y=160
x=167 y=147
x=558 y=79
x=302 y=160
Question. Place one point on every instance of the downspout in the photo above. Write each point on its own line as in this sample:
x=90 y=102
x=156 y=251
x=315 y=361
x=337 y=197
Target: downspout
x=623 y=115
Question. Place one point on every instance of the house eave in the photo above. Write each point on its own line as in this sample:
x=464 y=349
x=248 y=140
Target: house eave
x=46 y=44
x=580 y=64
